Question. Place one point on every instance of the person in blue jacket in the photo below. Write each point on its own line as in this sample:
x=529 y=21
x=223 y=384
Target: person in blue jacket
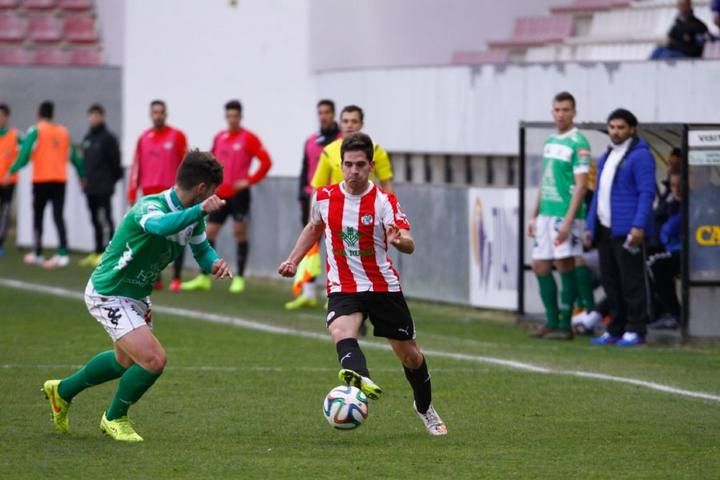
x=619 y=220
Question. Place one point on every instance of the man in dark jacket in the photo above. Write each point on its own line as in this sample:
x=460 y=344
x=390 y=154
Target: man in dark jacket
x=619 y=220
x=103 y=169
x=687 y=36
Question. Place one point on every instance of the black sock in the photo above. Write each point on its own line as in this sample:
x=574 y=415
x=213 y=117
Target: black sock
x=419 y=380
x=178 y=266
x=242 y=251
x=351 y=357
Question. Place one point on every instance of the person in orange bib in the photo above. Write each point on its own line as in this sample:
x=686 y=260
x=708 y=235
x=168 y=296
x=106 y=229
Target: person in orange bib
x=47 y=144
x=9 y=140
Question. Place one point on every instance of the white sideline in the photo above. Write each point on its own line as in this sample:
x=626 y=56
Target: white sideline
x=262 y=327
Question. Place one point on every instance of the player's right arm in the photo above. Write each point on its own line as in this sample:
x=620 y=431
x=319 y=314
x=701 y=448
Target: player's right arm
x=156 y=222
x=134 y=178
x=534 y=214
x=310 y=235
x=323 y=171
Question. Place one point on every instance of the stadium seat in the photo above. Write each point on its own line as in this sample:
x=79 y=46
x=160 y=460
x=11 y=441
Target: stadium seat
x=86 y=56
x=8 y=4
x=712 y=50
x=39 y=4
x=51 y=56
x=45 y=28
x=80 y=29
x=480 y=57
x=76 y=5
x=582 y=6
x=12 y=28
x=13 y=55
x=534 y=31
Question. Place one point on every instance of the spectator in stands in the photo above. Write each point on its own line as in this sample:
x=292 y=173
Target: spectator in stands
x=665 y=266
x=619 y=220
x=102 y=167
x=667 y=204
x=686 y=37
x=310 y=267
x=49 y=147
x=9 y=141
x=159 y=151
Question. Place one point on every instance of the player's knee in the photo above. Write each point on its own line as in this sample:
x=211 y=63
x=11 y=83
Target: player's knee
x=411 y=357
x=156 y=362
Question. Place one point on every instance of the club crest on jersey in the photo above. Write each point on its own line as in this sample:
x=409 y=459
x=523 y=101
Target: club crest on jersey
x=237 y=146
x=351 y=236
x=168 y=145
x=367 y=220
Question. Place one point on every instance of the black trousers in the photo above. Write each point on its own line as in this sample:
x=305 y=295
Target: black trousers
x=6 y=195
x=101 y=204
x=625 y=282
x=665 y=268
x=53 y=192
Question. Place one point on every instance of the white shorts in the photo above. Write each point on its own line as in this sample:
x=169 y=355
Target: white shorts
x=118 y=315
x=546 y=230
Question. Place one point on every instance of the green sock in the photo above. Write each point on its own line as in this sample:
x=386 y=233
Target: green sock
x=100 y=369
x=133 y=384
x=62 y=252
x=548 y=294
x=567 y=298
x=583 y=282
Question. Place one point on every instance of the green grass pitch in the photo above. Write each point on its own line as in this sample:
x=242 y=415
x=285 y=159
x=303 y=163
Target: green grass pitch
x=237 y=403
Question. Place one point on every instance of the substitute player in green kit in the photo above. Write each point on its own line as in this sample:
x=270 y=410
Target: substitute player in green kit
x=556 y=220
x=151 y=236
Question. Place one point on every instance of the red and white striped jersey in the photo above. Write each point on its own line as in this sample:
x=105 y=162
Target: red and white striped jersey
x=357 y=248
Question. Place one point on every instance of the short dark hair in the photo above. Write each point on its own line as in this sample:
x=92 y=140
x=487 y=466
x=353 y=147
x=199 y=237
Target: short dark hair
x=199 y=167
x=158 y=102
x=96 y=108
x=564 y=96
x=5 y=109
x=357 y=142
x=234 y=105
x=677 y=152
x=354 y=108
x=328 y=103
x=46 y=109
x=623 y=114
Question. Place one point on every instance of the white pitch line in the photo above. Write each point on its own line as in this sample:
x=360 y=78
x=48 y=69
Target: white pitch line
x=277 y=330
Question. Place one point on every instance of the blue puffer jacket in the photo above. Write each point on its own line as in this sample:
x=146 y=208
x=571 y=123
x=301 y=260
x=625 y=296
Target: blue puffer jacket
x=633 y=191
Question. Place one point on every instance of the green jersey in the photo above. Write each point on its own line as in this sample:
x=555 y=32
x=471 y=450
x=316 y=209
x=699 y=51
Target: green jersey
x=151 y=236
x=564 y=156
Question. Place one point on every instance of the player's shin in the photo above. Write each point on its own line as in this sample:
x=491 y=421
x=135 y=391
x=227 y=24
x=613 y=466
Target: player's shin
x=101 y=368
x=419 y=380
x=242 y=253
x=567 y=298
x=548 y=294
x=133 y=384
x=584 y=284
x=351 y=357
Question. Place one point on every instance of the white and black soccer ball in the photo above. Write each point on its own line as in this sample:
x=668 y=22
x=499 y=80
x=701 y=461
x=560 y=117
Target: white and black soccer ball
x=345 y=407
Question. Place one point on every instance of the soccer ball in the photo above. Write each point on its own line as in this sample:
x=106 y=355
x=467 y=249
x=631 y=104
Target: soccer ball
x=345 y=407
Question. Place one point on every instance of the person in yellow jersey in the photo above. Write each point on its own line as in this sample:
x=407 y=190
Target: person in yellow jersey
x=47 y=144
x=329 y=170
x=9 y=140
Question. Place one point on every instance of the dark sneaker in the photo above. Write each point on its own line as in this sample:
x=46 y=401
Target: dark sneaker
x=666 y=322
x=559 y=334
x=539 y=333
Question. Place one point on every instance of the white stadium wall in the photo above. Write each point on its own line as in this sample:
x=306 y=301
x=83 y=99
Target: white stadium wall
x=477 y=110
x=197 y=55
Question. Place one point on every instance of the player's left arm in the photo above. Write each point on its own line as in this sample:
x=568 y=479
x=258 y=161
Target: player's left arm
x=26 y=149
x=581 y=168
x=383 y=169
x=397 y=226
x=265 y=165
x=77 y=162
x=206 y=256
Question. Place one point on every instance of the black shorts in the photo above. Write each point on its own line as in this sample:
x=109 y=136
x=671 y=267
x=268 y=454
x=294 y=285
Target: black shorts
x=238 y=207
x=387 y=311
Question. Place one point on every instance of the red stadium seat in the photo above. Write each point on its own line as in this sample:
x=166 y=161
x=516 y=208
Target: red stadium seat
x=86 y=56
x=76 y=5
x=12 y=55
x=6 y=4
x=535 y=31
x=80 y=29
x=480 y=57
x=39 y=4
x=45 y=28
x=51 y=56
x=12 y=28
x=712 y=50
